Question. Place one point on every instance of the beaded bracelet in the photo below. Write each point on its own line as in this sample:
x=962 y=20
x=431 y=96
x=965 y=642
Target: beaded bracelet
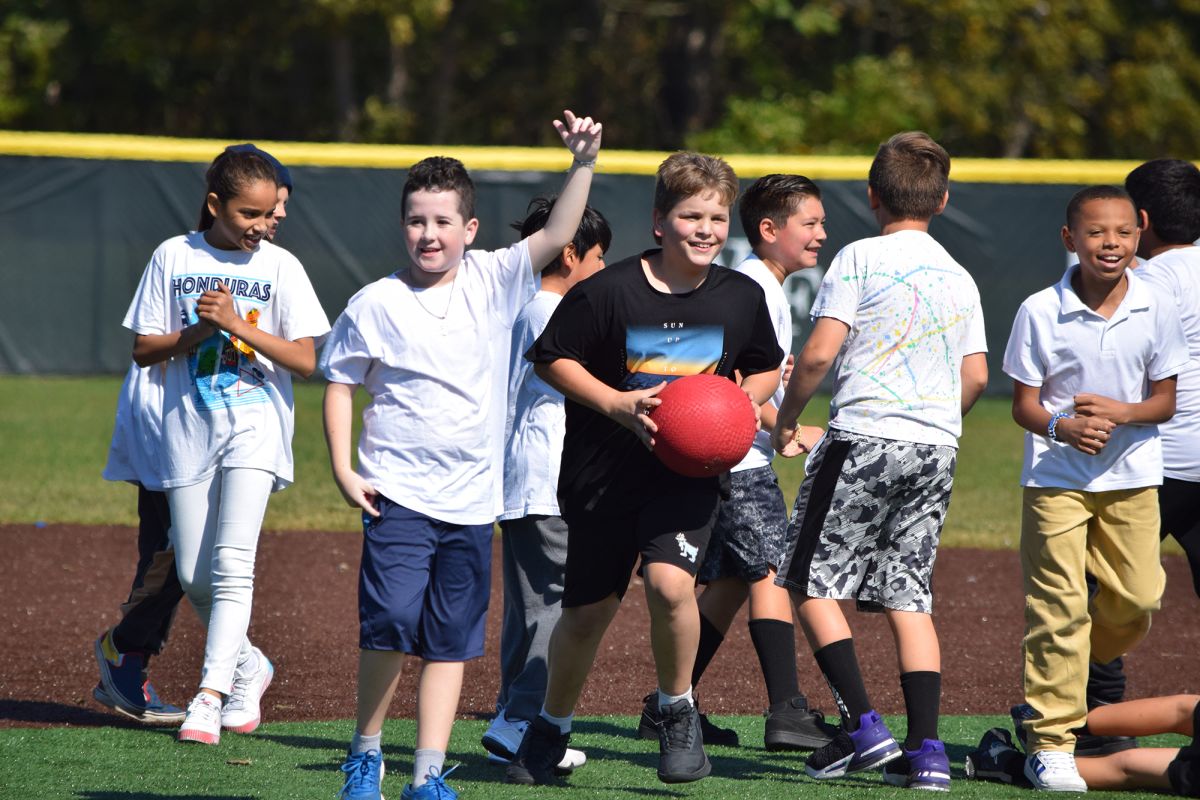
x=1050 y=429
x=589 y=164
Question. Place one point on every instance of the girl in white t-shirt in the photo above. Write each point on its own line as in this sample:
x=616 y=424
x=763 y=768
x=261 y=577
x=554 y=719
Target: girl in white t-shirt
x=233 y=316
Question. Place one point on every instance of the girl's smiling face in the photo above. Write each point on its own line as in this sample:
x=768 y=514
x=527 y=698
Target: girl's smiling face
x=243 y=220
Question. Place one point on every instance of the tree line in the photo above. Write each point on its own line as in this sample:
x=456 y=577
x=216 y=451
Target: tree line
x=990 y=78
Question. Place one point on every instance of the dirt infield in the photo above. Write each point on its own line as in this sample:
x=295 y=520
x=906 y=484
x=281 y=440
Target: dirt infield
x=62 y=586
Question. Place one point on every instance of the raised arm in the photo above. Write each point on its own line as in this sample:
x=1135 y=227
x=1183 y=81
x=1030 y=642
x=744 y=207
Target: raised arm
x=581 y=135
x=812 y=366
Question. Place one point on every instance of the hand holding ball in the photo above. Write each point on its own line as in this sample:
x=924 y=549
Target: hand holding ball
x=706 y=425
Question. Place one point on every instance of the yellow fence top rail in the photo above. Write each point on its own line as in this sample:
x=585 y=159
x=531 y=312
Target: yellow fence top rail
x=622 y=162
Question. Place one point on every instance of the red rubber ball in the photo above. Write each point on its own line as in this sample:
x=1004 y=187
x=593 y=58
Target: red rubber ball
x=705 y=425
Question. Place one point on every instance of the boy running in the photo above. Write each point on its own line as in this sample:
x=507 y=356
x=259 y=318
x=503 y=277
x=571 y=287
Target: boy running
x=613 y=343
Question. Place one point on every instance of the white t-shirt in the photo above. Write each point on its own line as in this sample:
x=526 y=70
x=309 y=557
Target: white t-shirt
x=135 y=452
x=224 y=405
x=913 y=313
x=1176 y=274
x=1063 y=347
x=761 y=452
x=427 y=441
x=535 y=424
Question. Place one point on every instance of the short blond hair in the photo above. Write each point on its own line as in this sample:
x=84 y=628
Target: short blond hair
x=685 y=174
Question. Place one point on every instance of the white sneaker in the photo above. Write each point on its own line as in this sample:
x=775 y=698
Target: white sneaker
x=1054 y=771
x=203 y=721
x=242 y=711
x=504 y=736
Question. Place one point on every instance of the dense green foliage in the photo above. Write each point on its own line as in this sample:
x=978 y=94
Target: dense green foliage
x=1069 y=78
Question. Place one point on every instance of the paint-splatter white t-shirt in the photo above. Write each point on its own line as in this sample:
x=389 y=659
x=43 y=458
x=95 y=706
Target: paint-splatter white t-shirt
x=913 y=314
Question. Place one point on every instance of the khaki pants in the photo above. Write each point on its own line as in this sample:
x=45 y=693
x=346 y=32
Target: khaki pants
x=1065 y=534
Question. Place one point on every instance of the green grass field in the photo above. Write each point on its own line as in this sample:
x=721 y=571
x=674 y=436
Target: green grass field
x=56 y=432
x=300 y=760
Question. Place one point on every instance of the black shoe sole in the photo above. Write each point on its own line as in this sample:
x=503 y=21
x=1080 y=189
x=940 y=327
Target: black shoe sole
x=776 y=741
x=1106 y=747
x=496 y=749
x=687 y=777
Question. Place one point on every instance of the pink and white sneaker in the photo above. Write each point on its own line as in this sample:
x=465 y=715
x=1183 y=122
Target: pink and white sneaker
x=203 y=721
x=242 y=711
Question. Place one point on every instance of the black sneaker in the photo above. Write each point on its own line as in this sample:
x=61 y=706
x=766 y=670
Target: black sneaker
x=1089 y=744
x=542 y=748
x=713 y=734
x=1184 y=771
x=996 y=759
x=792 y=725
x=681 y=756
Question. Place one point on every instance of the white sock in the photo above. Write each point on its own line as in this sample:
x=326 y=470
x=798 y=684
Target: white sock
x=363 y=744
x=665 y=700
x=562 y=723
x=424 y=762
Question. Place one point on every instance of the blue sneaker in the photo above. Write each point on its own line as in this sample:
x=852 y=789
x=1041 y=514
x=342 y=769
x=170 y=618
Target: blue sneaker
x=123 y=686
x=434 y=787
x=872 y=745
x=364 y=774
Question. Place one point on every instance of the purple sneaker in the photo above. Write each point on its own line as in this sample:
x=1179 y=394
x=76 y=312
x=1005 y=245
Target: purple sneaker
x=872 y=745
x=927 y=768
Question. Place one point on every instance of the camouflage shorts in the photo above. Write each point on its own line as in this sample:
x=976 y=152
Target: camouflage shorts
x=751 y=528
x=867 y=522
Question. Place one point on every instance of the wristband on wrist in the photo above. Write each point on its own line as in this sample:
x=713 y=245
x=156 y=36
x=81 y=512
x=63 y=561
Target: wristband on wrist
x=588 y=164
x=1051 y=431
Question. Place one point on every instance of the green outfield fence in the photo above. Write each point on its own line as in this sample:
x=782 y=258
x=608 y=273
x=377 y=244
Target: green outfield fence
x=80 y=215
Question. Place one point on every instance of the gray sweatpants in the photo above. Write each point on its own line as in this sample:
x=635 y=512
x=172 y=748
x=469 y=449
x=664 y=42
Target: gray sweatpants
x=535 y=559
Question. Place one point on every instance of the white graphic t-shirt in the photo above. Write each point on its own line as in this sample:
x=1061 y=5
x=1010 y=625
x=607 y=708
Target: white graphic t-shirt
x=225 y=405
x=913 y=313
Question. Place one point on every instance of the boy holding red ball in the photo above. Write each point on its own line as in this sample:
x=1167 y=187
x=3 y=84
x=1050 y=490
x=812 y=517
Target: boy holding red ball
x=613 y=343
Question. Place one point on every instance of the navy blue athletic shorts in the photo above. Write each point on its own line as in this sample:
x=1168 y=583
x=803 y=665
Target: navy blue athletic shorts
x=423 y=585
x=601 y=550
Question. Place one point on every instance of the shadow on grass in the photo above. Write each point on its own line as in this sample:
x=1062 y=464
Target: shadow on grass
x=99 y=795
x=63 y=714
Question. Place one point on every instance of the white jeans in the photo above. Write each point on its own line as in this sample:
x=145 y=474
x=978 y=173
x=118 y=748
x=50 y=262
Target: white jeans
x=214 y=530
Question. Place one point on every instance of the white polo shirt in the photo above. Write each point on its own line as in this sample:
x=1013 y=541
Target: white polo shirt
x=1065 y=348
x=1176 y=274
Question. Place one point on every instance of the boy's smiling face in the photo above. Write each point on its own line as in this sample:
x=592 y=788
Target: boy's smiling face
x=694 y=230
x=1104 y=235
x=799 y=240
x=436 y=234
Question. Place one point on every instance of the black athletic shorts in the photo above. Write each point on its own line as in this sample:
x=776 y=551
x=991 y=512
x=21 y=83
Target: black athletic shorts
x=602 y=549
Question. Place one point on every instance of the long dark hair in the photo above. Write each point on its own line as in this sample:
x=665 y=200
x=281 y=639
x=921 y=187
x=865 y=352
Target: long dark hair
x=229 y=174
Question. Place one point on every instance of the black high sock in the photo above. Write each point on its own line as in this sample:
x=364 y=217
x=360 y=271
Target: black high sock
x=839 y=665
x=710 y=641
x=922 y=701
x=775 y=642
